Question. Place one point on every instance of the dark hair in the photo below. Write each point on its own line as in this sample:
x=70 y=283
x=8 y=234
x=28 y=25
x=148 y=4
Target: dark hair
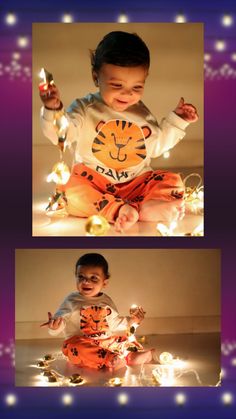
x=93 y=259
x=121 y=48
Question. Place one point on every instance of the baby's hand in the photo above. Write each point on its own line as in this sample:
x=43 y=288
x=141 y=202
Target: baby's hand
x=137 y=315
x=186 y=111
x=51 y=97
x=52 y=323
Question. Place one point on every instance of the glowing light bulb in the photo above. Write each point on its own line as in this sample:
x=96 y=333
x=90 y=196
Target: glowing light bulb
x=162 y=230
x=166 y=155
x=227 y=20
x=220 y=45
x=10 y=19
x=166 y=358
x=96 y=225
x=164 y=375
x=115 y=382
x=60 y=174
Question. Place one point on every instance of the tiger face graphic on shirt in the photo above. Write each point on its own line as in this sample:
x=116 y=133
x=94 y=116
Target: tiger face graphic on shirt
x=120 y=144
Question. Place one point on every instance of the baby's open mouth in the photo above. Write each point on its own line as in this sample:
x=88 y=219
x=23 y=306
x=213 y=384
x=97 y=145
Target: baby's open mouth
x=122 y=101
x=87 y=289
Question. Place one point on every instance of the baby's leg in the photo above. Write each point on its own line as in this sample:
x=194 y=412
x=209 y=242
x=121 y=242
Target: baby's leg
x=86 y=352
x=87 y=194
x=163 y=201
x=162 y=211
x=139 y=357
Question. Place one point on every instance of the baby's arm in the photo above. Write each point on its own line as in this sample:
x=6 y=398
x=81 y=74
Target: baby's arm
x=186 y=111
x=55 y=325
x=52 y=109
x=51 y=98
x=172 y=128
x=136 y=315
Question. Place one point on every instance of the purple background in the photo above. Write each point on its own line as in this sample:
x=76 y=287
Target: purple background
x=16 y=219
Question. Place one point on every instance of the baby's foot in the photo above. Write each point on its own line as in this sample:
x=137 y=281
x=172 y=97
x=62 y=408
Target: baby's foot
x=116 y=363
x=127 y=217
x=162 y=211
x=139 y=357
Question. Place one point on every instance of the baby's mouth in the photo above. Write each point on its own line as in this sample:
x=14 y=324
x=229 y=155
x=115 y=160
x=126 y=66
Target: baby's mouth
x=123 y=102
x=86 y=289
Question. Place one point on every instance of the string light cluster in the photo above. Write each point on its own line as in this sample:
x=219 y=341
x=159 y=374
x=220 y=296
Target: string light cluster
x=226 y=71
x=9 y=351
x=15 y=71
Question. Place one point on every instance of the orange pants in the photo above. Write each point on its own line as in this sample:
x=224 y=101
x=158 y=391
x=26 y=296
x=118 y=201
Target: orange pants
x=88 y=192
x=98 y=353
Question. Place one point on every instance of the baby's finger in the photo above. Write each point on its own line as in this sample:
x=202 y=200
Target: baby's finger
x=190 y=107
x=58 y=322
x=44 y=324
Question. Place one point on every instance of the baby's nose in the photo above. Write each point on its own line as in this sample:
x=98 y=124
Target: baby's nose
x=127 y=91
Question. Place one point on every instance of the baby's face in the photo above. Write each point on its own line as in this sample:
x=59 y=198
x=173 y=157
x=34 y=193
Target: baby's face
x=90 y=280
x=121 y=87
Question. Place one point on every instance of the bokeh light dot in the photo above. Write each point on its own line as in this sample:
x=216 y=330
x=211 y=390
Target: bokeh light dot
x=180 y=398
x=10 y=19
x=67 y=399
x=11 y=399
x=123 y=398
x=227 y=398
x=227 y=20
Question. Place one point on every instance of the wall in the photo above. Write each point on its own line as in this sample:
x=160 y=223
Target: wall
x=179 y=288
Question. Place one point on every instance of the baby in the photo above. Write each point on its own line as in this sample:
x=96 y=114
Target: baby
x=116 y=136
x=91 y=323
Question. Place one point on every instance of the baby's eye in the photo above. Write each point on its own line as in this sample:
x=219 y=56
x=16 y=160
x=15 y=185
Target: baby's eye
x=137 y=88
x=116 y=85
x=94 y=278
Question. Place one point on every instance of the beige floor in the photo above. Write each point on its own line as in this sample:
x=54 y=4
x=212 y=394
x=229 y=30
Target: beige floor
x=73 y=226
x=200 y=353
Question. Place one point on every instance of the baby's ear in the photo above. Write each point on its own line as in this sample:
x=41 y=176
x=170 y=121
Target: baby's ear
x=99 y=125
x=146 y=131
x=108 y=311
x=105 y=282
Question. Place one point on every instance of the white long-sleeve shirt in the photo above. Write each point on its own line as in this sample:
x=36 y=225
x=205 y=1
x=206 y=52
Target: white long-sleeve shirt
x=96 y=317
x=118 y=145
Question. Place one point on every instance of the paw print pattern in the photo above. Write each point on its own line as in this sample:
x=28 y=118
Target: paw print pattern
x=138 y=198
x=101 y=366
x=102 y=353
x=177 y=194
x=85 y=174
x=74 y=352
x=154 y=177
x=111 y=188
x=99 y=205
